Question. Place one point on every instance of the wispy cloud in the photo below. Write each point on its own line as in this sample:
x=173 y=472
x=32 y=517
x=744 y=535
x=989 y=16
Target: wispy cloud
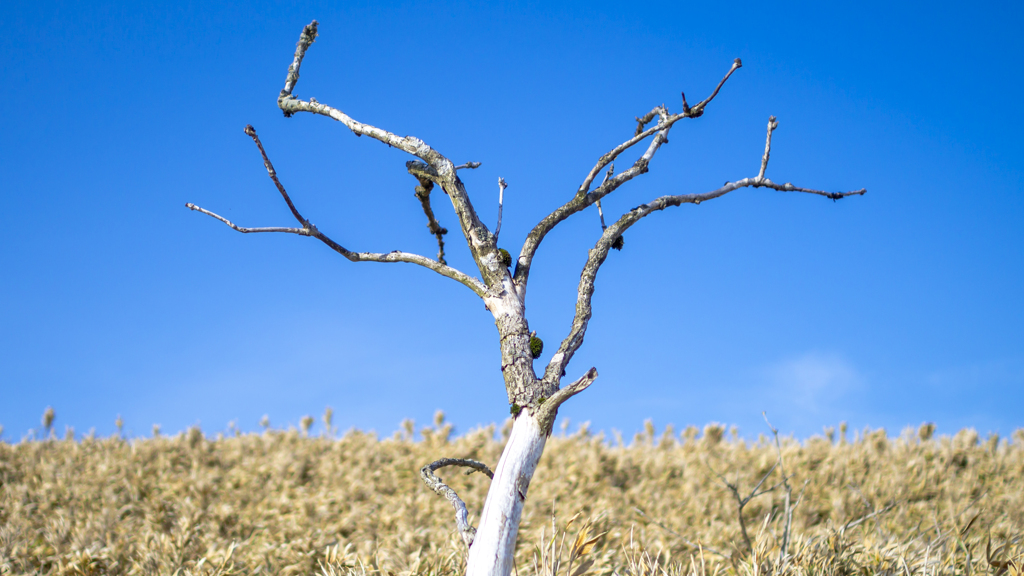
x=814 y=382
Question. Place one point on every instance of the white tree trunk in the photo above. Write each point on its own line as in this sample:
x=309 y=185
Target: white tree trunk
x=494 y=545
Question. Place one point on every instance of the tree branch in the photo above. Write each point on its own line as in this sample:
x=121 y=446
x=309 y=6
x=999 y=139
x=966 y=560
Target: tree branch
x=599 y=253
x=501 y=201
x=699 y=108
x=866 y=517
x=309 y=229
x=548 y=410
x=741 y=501
x=466 y=530
x=772 y=125
x=289 y=104
x=480 y=240
x=788 y=510
x=306 y=39
x=242 y=229
x=251 y=132
x=582 y=201
x=395 y=256
x=584 y=197
x=423 y=195
x=600 y=211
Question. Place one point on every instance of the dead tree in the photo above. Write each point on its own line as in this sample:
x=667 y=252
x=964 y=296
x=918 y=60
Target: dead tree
x=533 y=399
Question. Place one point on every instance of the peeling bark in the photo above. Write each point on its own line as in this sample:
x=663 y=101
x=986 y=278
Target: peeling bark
x=493 y=548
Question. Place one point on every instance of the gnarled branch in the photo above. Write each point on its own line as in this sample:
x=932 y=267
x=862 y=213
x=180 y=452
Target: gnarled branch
x=289 y=104
x=309 y=229
x=584 y=197
x=423 y=195
x=599 y=252
x=466 y=530
x=480 y=240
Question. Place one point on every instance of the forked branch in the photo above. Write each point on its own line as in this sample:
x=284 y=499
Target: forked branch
x=585 y=197
x=742 y=501
x=309 y=229
x=599 y=252
x=474 y=230
x=289 y=104
x=466 y=530
x=547 y=410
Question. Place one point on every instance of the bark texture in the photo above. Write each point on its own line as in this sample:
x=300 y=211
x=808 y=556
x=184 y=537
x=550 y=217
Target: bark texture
x=492 y=551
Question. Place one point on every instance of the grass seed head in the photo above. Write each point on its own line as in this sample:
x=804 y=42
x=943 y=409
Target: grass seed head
x=48 y=417
x=306 y=423
x=926 y=431
x=284 y=503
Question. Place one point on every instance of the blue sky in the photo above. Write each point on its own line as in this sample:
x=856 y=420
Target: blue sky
x=901 y=306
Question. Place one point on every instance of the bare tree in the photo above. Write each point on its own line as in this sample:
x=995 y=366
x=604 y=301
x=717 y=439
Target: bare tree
x=534 y=400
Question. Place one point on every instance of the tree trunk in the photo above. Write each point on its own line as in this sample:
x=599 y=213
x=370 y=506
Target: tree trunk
x=492 y=551
x=494 y=546
x=534 y=402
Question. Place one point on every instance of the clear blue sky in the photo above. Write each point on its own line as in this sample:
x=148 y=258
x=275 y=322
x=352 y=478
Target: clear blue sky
x=901 y=306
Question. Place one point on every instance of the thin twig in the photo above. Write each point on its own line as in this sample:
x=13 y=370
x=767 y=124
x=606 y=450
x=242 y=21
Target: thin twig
x=501 y=200
x=699 y=108
x=866 y=517
x=741 y=502
x=242 y=229
x=612 y=154
x=466 y=530
x=600 y=212
x=309 y=229
x=596 y=257
x=446 y=173
x=784 y=558
x=642 y=123
x=772 y=125
x=584 y=197
x=251 y=132
x=785 y=482
x=470 y=165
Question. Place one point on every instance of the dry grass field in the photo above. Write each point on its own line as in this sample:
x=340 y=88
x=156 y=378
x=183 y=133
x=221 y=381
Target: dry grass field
x=284 y=502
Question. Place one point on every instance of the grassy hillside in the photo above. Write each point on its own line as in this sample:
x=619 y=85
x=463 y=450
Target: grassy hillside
x=283 y=503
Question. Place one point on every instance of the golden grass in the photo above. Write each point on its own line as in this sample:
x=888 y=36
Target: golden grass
x=285 y=503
